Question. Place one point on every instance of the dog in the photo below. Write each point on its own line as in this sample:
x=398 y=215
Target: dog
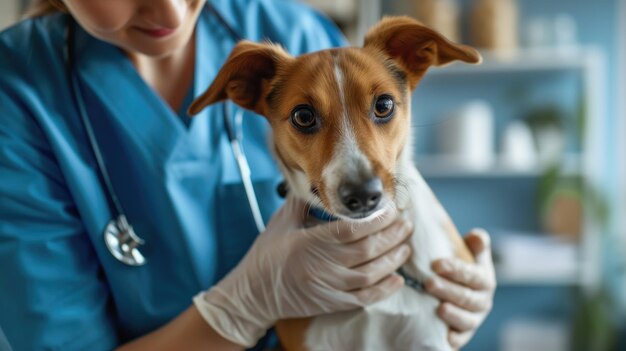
x=341 y=126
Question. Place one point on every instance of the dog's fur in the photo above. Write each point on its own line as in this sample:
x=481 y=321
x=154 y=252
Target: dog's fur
x=341 y=86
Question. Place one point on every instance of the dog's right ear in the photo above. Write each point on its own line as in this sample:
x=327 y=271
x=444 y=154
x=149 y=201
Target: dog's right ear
x=245 y=77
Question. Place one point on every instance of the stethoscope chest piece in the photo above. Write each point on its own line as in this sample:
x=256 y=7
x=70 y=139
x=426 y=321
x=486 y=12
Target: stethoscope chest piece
x=122 y=242
x=119 y=236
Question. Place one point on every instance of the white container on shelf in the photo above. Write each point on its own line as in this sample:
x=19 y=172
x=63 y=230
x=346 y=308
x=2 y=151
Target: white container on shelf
x=565 y=33
x=466 y=136
x=518 y=149
x=559 y=33
x=550 y=145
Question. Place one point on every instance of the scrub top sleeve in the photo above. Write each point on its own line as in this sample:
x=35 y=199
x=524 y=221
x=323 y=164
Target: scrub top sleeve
x=52 y=292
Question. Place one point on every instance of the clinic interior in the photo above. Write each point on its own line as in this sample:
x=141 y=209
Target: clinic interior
x=530 y=146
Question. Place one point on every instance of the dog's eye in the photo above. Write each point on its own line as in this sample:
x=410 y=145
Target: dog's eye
x=304 y=118
x=383 y=107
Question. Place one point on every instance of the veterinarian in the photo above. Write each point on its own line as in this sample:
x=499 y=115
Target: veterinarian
x=200 y=280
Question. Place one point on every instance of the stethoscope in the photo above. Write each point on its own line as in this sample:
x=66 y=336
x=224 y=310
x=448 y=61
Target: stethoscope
x=119 y=236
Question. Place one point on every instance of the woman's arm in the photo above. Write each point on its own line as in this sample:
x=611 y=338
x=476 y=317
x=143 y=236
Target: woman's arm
x=188 y=331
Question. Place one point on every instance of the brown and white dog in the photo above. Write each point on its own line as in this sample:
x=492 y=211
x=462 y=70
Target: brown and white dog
x=341 y=122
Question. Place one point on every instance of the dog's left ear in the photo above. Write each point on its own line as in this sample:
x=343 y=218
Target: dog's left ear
x=245 y=77
x=416 y=47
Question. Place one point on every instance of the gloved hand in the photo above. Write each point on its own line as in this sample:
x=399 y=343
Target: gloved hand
x=466 y=290
x=292 y=272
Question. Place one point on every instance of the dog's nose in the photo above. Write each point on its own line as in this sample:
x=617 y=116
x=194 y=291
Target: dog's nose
x=361 y=197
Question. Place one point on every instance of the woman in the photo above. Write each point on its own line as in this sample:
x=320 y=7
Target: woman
x=137 y=64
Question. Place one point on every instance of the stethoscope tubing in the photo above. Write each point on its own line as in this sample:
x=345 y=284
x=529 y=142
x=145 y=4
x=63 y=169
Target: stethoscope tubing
x=234 y=138
x=119 y=236
x=246 y=175
x=82 y=111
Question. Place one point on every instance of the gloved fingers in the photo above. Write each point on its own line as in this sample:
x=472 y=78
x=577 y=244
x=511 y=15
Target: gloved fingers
x=373 y=246
x=378 y=291
x=374 y=271
x=461 y=296
x=479 y=242
x=458 y=318
x=471 y=275
x=348 y=231
x=458 y=339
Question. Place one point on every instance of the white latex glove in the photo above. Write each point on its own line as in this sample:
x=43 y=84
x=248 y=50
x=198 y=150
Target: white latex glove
x=292 y=272
x=466 y=290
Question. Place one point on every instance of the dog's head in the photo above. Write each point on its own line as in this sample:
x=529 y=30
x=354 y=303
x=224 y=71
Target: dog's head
x=340 y=117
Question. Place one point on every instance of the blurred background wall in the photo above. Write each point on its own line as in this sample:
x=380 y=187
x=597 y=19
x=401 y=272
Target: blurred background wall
x=529 y=145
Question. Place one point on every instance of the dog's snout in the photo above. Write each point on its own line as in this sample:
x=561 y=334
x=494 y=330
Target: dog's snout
x=361 y=197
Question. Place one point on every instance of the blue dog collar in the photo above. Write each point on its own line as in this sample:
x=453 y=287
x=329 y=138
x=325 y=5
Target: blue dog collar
x=413 y=283
x=320 y=214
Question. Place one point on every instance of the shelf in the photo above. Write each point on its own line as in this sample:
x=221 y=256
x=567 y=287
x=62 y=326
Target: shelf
x=535 y=259
x=443 y=166
x=522 y=61
x=507 y=280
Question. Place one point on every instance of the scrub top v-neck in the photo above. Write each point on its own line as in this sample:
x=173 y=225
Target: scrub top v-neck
x=176 y=179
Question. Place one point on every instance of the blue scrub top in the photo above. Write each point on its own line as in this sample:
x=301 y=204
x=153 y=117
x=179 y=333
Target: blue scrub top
x=178 y=183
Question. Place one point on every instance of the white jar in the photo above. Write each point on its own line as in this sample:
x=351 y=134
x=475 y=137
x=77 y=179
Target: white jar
x=466 y=136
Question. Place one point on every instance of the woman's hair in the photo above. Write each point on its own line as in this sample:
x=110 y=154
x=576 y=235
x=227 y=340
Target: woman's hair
x=44 y=7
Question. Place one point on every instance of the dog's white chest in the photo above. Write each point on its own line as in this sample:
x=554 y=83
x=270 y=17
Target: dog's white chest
x=431 y=236
x=406 y=320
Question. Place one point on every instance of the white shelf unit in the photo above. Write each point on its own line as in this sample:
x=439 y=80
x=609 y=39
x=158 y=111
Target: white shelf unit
x=588 y=164
x=536 y=259
x=504 y=280
x=621 y=144
x=443 y=166
x=524 y=60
